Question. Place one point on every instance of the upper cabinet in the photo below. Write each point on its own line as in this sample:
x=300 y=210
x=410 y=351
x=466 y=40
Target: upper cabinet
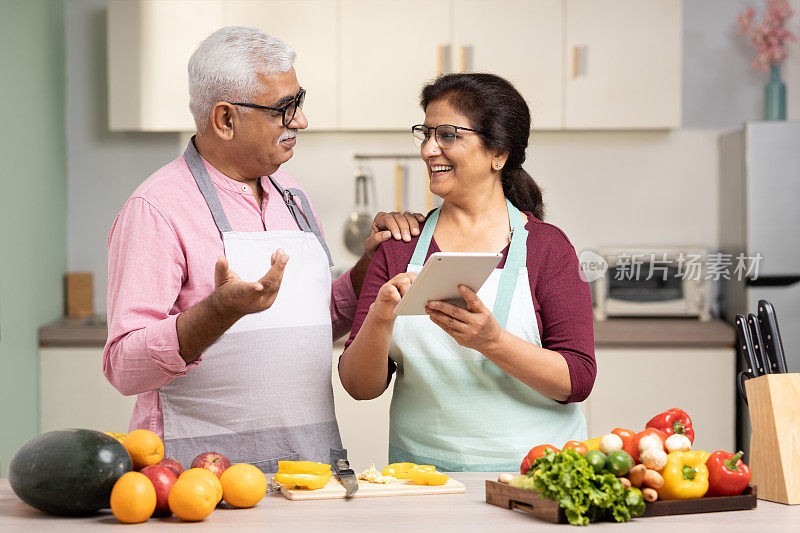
x=623 y=64
x=520 y=40
x=310 y=29
x=389 y=50
x=149 y=45
x=580 y=64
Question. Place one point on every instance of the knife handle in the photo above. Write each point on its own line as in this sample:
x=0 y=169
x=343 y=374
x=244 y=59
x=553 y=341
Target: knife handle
x=745 y=344
x=760 y=355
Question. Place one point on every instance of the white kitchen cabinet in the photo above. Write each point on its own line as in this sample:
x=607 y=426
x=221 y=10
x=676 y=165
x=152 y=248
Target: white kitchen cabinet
x=389 y=50
x=309 y=27
x=634 y=385
x=623 y=64
x=149 y=45
x=73 y=393
x=520 y=40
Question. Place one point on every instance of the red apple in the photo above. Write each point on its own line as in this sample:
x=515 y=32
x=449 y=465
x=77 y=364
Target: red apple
x=173 y=465
x=163 y=478
x=213 y=461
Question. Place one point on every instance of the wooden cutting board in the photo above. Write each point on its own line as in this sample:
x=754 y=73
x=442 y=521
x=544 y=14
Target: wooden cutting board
x=403 y=487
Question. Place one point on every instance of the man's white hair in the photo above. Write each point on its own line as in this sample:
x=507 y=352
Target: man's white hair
x=226 y=66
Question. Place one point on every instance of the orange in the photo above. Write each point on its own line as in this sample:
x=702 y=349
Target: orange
x=243 y=485
x=207 y=475
x=192 y=499
x=133 y=498
x=144 y=447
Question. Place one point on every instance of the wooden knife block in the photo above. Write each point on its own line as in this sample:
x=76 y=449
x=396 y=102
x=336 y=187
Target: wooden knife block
x=774 y=402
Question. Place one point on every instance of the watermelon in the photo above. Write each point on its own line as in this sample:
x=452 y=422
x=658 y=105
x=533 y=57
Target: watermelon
x=68 y=472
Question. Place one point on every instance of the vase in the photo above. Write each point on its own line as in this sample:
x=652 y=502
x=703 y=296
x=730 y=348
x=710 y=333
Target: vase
x=775 y=95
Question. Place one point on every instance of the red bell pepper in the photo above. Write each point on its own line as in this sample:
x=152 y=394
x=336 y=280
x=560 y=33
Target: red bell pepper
x=535 y=453
x=648 y=431
x=673 y=421
x=727 y=474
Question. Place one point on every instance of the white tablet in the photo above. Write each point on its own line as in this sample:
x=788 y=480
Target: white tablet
x=442 y=274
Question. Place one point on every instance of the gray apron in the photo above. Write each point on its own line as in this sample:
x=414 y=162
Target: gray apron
x=262 y=391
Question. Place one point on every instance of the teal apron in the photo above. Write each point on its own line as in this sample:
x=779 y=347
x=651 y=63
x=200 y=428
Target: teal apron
x=454 y=408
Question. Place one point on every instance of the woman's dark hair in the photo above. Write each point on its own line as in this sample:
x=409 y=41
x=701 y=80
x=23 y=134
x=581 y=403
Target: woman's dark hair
x=495 y=108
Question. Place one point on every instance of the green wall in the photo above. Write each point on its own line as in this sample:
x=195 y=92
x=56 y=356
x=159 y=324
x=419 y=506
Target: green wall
x=33 y=204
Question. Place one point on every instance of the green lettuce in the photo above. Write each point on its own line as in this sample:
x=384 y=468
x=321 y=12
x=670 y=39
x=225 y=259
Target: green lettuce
x=568 y=479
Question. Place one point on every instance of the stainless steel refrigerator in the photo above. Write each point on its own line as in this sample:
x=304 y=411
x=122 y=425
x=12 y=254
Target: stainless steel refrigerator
x=760 y=215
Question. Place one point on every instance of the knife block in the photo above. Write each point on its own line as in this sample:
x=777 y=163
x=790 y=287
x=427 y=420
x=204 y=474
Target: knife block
x=774 y=402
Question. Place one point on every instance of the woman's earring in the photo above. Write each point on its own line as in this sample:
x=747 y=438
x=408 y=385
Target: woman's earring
x=497 y=166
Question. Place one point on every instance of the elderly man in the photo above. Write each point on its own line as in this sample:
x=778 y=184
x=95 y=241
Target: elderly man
x=221 y=307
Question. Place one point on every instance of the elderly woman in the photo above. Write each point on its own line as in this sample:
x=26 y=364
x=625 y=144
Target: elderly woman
x=476 y=387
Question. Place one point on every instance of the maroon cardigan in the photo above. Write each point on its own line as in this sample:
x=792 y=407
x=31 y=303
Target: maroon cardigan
x=561 y=299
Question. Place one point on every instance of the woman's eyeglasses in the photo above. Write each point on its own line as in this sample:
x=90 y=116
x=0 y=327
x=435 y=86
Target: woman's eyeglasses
x=288 y=110
x=446 y=134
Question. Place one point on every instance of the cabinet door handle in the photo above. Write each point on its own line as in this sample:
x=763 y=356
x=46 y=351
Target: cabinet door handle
x=443 y=61
x=579 y=59
x=466 y=58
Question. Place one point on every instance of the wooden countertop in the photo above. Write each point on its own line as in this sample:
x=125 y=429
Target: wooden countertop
x=612 y=333
x=663 y=333
x=452 y=512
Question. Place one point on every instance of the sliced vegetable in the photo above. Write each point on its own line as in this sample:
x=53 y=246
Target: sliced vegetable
x=597 y=460
x=404 y=470
x=428 y=478
x=619 y=462
x=727 y=474
x=678 y=443
x=610 y=443
x=685 y=476
x=303 y=481
x=303 y=467
x=535 y=453
x=673 y=421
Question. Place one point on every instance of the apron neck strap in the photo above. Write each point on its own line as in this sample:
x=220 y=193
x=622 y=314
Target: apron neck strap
x=198 y=170
x=203 y=180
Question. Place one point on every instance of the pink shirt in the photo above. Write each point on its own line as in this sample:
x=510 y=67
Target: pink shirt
x=162 y=249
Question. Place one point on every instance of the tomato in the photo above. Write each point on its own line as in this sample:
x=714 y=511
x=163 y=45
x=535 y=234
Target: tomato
x=628 y=437
x=576 y=445
x=619 y=462
x=649 y=431
x=535 y=453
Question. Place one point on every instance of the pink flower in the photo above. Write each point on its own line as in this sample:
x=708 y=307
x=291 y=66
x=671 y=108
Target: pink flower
x=770 y=35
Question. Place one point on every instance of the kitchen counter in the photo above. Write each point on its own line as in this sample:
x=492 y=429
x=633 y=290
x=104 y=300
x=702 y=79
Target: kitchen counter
x=612 y=333
x=462 y=512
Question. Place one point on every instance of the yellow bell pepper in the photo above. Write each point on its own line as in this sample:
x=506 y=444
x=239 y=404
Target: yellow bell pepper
x=428 y=478
x=404 y=470
x=593 y=444
x=685 y=476
x=303 y=467
x=303 y=481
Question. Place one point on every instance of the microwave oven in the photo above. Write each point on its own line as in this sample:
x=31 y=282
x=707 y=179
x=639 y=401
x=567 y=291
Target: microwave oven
x=653 y=282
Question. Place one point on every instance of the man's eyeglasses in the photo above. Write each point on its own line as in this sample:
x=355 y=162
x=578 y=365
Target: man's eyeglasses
x=288 y=110
x=446 y=134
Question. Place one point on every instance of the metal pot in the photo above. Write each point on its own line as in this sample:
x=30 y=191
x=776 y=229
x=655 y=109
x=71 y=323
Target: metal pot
x=359 y=224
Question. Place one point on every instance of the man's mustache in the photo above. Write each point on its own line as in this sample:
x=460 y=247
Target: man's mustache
x=288 y=134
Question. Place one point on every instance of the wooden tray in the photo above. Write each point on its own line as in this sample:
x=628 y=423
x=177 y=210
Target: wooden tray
x=528 y=501
x=402 y=487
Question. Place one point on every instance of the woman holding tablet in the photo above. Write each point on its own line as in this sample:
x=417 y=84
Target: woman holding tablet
x=477 y=387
